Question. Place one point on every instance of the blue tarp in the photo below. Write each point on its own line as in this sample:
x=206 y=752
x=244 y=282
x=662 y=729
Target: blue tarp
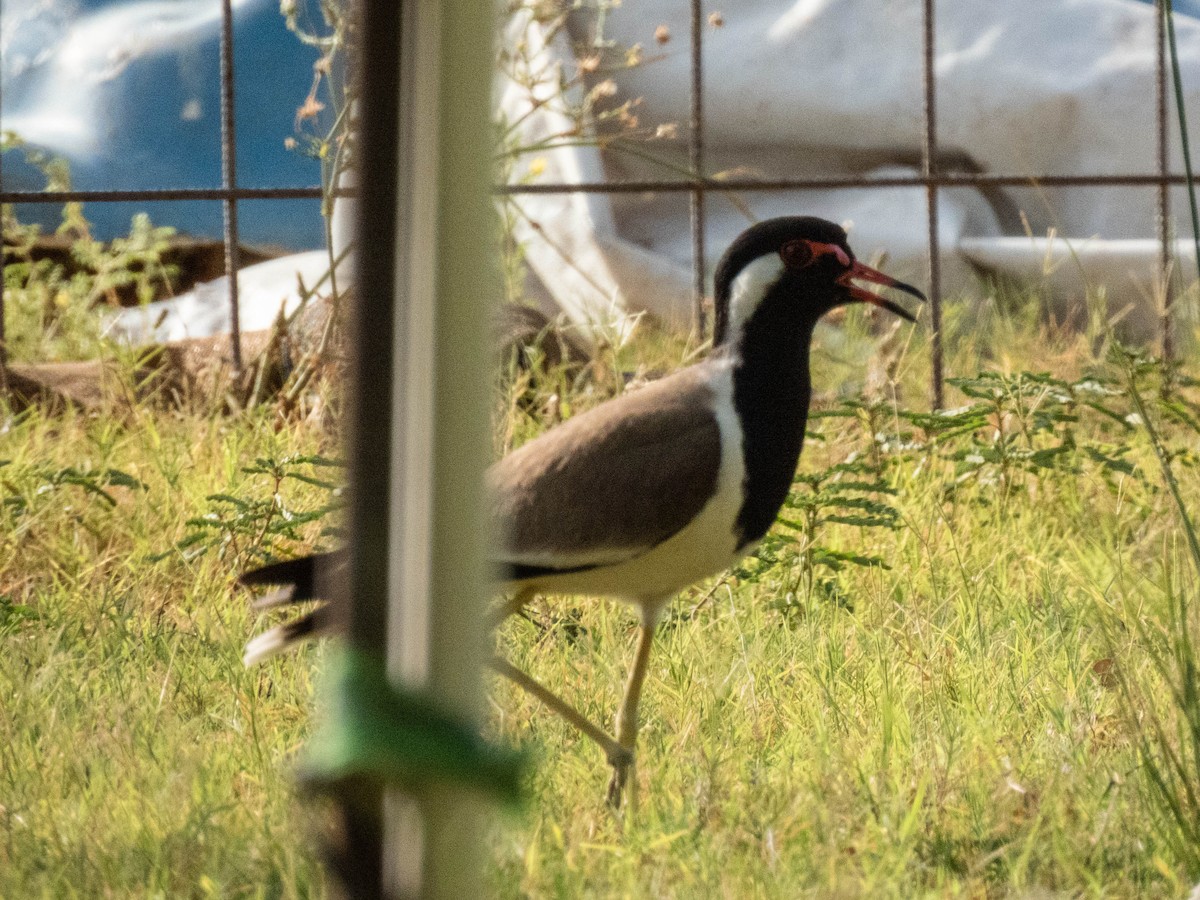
x=155 y=121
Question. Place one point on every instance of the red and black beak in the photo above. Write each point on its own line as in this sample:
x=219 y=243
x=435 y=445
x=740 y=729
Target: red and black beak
x=866 y=273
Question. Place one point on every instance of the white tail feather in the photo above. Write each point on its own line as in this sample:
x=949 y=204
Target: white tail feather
x=266 y=645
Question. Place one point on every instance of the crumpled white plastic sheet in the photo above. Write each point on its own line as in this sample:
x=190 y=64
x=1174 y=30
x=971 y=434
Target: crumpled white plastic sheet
x=266 y=290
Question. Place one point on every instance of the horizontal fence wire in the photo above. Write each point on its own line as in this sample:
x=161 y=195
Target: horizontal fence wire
x=715 y=185
x=946 y=180
x=162 y=195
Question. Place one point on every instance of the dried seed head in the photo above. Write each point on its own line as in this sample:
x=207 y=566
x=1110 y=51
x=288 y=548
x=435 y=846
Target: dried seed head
x=309 y=109
x=606 y=88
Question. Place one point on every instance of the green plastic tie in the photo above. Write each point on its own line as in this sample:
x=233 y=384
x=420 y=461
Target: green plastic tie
x=374 y=731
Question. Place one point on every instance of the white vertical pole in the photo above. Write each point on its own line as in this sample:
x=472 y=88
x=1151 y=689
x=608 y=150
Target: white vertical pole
x=446 y=284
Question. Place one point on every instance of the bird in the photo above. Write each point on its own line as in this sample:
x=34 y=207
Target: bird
x=663 y=486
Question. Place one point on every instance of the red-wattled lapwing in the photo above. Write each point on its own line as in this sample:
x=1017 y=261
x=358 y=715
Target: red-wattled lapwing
x=668 y=484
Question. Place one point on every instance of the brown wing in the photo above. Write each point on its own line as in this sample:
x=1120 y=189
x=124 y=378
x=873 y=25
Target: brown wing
x=611 y=483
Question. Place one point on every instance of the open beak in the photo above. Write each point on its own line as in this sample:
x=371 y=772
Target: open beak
x=866 y=273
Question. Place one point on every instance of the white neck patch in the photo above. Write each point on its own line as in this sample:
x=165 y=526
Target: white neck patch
x=748 y=290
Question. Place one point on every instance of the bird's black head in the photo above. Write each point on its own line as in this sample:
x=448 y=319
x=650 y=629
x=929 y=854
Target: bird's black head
x=801 y=259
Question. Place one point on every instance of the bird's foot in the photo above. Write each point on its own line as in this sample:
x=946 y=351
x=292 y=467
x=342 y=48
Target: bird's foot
x=621 y=759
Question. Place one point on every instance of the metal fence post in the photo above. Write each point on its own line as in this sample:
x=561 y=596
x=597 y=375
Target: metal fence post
x=364 y=588
x=696 y=164
x=929 y=169
x=420 y=445
x=1163 y=216
x=229 y=183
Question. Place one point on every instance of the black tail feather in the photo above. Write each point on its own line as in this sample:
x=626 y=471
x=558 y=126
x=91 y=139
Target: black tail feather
x=300 y=582
x=305 y=578
x=300 y=573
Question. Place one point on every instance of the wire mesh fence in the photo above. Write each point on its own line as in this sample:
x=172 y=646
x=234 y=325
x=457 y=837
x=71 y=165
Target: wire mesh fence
x=931 y=179
x=699 y=185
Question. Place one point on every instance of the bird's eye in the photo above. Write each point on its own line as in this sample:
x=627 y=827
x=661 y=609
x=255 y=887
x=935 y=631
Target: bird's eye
x=797 y=254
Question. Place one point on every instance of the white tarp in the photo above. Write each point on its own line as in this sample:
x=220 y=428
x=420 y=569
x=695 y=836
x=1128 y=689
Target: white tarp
x=796 y=88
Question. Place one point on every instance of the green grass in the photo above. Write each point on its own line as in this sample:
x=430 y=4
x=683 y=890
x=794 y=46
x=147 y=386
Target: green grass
x=137 y=756
x=968 y=722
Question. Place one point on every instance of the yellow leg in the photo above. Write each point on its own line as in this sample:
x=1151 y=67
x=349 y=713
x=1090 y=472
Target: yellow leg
x=513 y=605
x=627 y=716
x=614 y=751
x=619 y=751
